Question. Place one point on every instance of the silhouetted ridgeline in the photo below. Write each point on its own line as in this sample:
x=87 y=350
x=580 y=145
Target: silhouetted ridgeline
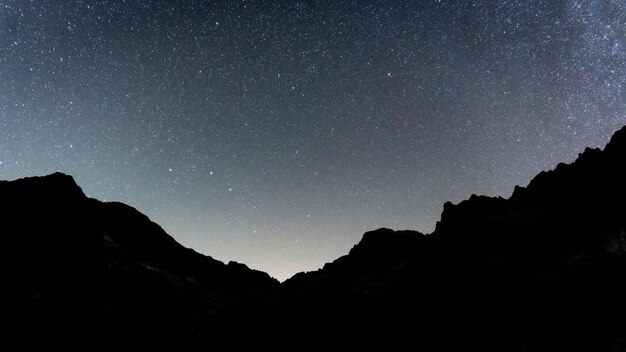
x=65 y=257
x=542 y=270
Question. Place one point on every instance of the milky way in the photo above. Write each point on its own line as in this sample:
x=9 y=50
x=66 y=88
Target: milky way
x=275 y=133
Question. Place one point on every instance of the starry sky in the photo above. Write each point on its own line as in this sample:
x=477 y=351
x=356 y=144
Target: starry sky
x=275 y=133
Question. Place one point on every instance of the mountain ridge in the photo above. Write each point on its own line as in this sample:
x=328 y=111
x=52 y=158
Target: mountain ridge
x=63 y=249
x=542 y=269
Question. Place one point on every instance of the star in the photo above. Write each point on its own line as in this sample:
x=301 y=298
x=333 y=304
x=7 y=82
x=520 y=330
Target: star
x=387 y=111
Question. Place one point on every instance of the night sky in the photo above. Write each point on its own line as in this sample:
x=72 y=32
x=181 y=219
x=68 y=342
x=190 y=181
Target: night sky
x=275 y=133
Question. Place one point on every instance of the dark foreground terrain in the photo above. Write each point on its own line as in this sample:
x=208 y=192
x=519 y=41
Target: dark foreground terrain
x=542 y=270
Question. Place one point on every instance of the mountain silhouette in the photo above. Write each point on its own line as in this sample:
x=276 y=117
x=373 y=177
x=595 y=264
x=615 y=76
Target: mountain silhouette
x=542 y=270
x=56 y=284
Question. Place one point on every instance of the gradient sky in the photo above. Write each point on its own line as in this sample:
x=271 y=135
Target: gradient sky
x=275 y=133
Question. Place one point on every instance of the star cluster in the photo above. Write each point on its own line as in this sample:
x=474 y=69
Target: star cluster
x=275 y=133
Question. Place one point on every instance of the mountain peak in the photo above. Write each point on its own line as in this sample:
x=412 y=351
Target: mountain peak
x=382 y=240
x=65 y=182
x=49 y=186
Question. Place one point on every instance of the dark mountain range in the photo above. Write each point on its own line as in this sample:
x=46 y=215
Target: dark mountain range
x=542 y=270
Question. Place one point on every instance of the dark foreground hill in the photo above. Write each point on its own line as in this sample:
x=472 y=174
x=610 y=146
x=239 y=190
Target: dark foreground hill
x=72 y=267
x=542 y=270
